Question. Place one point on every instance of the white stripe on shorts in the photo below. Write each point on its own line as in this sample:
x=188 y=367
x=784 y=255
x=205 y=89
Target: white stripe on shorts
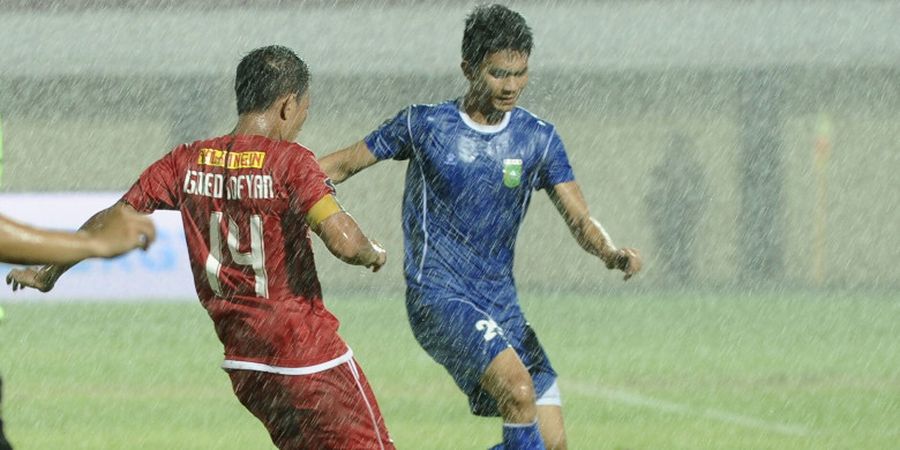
x=362 y=392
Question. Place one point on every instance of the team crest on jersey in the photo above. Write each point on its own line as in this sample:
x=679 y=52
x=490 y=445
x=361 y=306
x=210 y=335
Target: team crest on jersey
x=512 y=172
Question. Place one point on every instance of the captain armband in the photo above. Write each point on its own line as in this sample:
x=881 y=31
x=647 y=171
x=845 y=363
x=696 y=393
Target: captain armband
x=323 y=209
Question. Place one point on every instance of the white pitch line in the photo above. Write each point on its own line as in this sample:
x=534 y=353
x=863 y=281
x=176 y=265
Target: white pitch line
x=634 y=399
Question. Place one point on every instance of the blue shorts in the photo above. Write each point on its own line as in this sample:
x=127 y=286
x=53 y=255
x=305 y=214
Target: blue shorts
x=465 y=337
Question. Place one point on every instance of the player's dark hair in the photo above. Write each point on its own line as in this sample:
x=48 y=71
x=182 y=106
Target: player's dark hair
x=266 y=74
x=492 y=28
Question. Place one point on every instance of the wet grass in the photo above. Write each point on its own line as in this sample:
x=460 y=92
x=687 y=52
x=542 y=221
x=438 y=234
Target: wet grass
x=648 y=372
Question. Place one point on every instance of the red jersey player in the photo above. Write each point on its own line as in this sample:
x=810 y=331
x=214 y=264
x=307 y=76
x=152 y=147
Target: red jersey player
x=248 y=201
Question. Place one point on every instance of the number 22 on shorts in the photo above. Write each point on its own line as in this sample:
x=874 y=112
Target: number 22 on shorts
x=489 y=327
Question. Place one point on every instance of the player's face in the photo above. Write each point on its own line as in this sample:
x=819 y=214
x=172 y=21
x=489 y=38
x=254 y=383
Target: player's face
x=500 y=79
x=296 y=116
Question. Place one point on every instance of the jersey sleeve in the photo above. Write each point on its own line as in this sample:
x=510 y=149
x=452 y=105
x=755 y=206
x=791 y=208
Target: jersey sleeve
x=555 y=168
x=308 y=184
x=392 y=139
x=157 y=187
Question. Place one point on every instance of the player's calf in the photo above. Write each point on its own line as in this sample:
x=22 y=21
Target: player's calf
x=552 y=429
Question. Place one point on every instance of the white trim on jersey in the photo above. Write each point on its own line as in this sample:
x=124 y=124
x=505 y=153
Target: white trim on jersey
x=424 y=226
x=424 y=198
x=552 y=397
x=230 y=364
x=481 y=128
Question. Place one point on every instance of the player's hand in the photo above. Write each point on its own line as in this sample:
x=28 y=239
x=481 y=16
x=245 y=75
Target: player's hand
x=32 y=277
x=380 y=257
x=627 y=260
x=123 y=230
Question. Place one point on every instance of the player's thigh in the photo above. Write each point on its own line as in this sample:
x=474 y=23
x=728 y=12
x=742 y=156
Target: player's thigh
x=351 y=417
x=506 y=378
x=332 y=409
x=525 y=341
x=460 y=336
x=269 y=397
x=359 y=403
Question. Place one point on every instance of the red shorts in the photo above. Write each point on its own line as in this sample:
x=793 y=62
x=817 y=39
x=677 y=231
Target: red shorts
x=332 y=409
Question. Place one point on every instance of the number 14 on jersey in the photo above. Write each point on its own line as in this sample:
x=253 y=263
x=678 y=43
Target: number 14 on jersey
x=255 y=258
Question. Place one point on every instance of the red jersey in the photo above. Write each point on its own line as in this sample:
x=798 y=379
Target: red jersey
x=243 y=201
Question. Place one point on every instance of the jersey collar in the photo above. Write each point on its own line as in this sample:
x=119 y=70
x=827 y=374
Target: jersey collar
x=481 y=128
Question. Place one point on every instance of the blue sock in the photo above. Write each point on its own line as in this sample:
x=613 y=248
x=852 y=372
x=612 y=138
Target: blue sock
x=522 y=436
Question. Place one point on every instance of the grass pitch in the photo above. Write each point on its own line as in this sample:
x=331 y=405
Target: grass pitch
x=774 y=371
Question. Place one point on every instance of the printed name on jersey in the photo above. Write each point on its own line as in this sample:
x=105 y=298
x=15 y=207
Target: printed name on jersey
x=236 y=187
x=231 y=160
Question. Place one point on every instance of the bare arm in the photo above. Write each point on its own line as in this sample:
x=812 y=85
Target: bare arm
x=346 y=162
x=22 y=244
x=111 y=232
x=588 y=232
x=342 y=235
x=346 y=241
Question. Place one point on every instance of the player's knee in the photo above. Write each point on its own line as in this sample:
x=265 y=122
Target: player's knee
x=522 y=398
x=510 y=384
x=519 y=393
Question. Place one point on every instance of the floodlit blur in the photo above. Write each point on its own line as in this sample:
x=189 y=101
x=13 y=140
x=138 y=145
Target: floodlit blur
x=786 y=116
x=749 y=150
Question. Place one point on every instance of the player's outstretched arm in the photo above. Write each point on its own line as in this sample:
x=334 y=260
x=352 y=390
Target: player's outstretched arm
x=346 y=162
x=342 y=235
x=588 y=232
x=111 y=232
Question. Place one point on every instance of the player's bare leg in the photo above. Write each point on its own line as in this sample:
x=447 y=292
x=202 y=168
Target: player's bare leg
x=508 y=382
x=550 y=422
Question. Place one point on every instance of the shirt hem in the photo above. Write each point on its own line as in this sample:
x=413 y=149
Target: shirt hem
x=233 y=364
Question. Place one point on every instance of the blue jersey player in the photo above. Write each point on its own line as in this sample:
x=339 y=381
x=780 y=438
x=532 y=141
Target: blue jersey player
x=473 y=165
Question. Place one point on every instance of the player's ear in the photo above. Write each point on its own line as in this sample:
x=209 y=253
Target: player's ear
x=286 y=105
x=467 y=70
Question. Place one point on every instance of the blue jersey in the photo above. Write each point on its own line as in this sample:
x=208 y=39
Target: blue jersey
x=468 y=187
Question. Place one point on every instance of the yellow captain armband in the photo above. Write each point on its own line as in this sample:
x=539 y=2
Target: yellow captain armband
x=323 y=209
